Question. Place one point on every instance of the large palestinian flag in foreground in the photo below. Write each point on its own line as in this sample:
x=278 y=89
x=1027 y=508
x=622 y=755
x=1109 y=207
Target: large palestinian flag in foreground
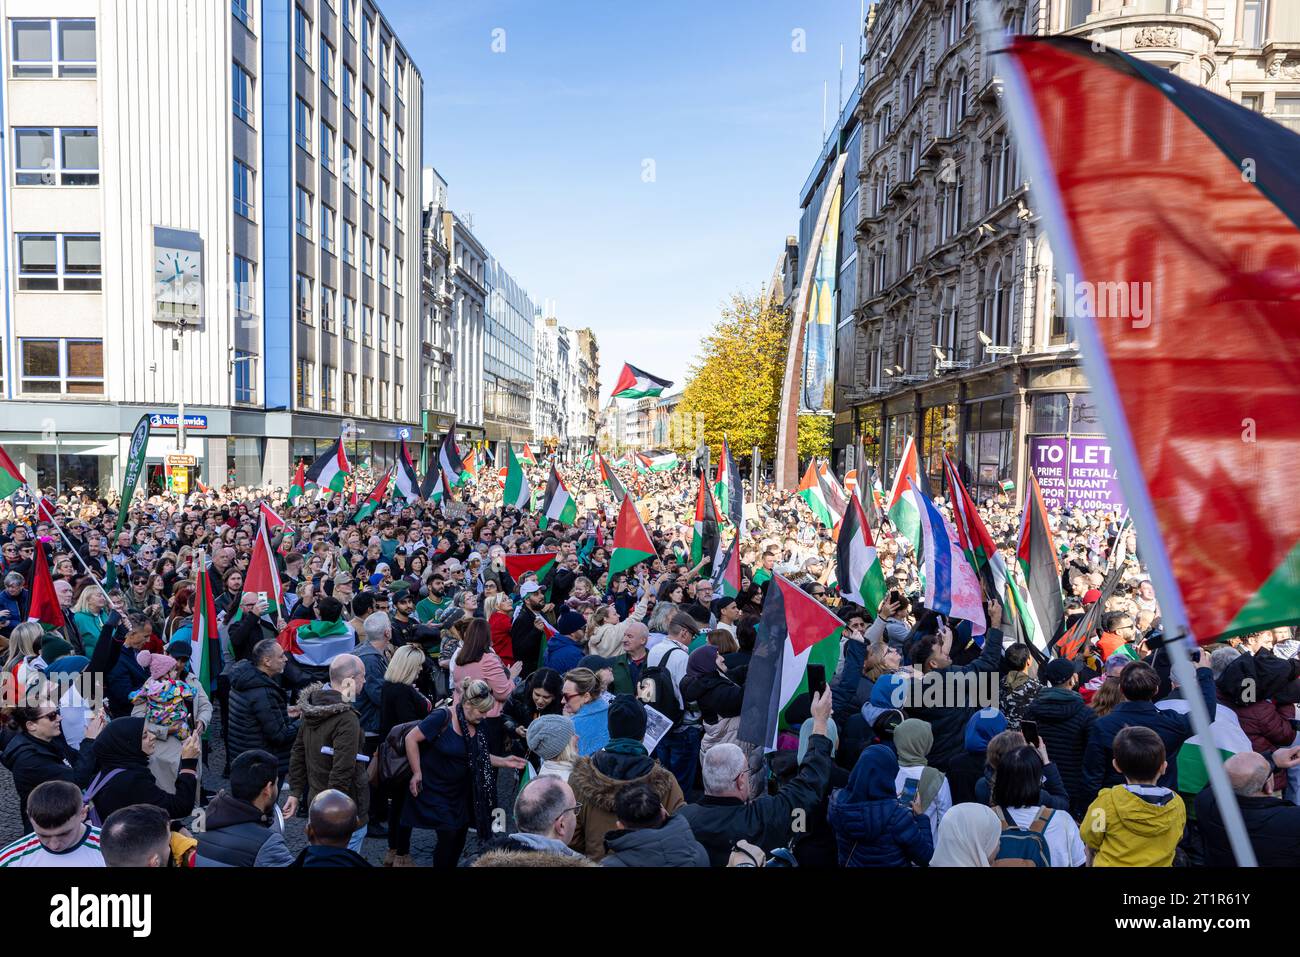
x=857 y=569
x=331 y=470
x=558 y=505
x=796 y=630
x=633 y=383
x=263 y=575
x=631 y=541
x=1182 y=210
x=904 y=510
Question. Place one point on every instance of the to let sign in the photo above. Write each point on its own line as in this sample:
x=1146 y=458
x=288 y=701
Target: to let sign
x=1077 y=472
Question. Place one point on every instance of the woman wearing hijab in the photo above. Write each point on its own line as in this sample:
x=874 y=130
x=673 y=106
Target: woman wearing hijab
x=123 y=776
x=968 y=767
x=913 y=740
x=718 y=696
x=815 y=847
x=968 y=837
x=872 y=828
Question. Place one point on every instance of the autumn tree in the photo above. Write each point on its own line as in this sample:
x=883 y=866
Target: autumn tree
x=814 y=436
x=734 y=385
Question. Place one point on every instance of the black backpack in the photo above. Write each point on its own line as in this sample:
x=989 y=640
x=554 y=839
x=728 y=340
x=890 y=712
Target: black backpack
x=655 y=688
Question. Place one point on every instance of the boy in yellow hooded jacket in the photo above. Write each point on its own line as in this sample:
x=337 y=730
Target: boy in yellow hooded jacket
x=1138 y=823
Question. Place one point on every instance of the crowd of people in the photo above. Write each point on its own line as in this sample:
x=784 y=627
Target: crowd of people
x=407 y=680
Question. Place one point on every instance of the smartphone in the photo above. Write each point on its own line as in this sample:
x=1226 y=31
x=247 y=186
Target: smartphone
x=896 y=598
x=261 y=596
x=1030 y=730
x=908 y=794
x=816 y=679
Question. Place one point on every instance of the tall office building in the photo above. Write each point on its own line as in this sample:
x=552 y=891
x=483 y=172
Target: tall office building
x=210 y=204
x=508 y=360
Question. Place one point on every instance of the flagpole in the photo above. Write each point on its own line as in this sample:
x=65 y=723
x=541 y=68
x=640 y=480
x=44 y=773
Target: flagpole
x=75 y=554
x=1029 y=138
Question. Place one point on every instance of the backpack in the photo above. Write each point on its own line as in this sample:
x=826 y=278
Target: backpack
x=1019 y=847
x=655 y=688
x=390 y=758
x=96 y=786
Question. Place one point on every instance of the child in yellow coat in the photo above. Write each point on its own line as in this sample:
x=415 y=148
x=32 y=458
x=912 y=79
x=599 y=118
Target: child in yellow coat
x=1138 y=823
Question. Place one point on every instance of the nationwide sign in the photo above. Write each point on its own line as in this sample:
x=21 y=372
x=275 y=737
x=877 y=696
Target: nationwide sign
x=160 y=420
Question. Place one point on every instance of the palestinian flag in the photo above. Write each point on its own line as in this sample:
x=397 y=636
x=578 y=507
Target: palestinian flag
x=728 y=488
x=273 y=521
x=316 y=643
x=641 y=463
x=432 y=488
x=471 y=464
x=45 y=603
x=857 y=569
x=796 y=630
x=11 y=480
x=1229 y=739
x=1045 y=614
x=726 y=571
x=45 y=509
x=520 y=565
x=558 y=505
x=814 y=496
x=705 y=540
x=331 y=470
x=662 y=463
x=904 y=510
x=548 y=632
x=374 y=500
x=632 y=543
x=526 y=455
x=982 y=554
x=204 y=638
x=621 y=463
x=299 y=483
x=518 y=490
x=634 y=384
x=610 y=479
x=450 y=462
x=262 y=574
x=833 y=492
x=1205 y=425
x=405 y=482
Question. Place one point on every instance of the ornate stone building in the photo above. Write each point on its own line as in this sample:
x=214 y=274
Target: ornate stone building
x=961 y=337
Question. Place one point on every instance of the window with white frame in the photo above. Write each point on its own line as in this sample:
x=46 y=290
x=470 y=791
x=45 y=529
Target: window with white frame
x=349 y=318
x=243 y=11
x=368 y=183
x=61 y=366
x=368 y=37
x=350 y=89
x=49 y=262
x=399 y=337
x=368 y=396
x=349 y=170
x=368 y=325
x=326 y=228
x=241 y=93
x=399 y=272
x=399 y=77
x=328 y=298
x=302 y=34
x=383 y=399
x=367 y=255
x=383 y=197
x=1286 y=110
x=383 y=264
x=52 y=48
x=383 y=332
x=327 y=143
x=1254 y=16
x=399 y=141
x=328 y=394
x=383 y=128
x=302 y=123
x=367 y=108
x=306 y=301
x=306 y=375
x=349 y=243
x=994 y=308
x=245 y=377
x=56 y=156
x=350 y=16
x=326 y=63
x=349 y=392
x=245 y=277
x=302 y=212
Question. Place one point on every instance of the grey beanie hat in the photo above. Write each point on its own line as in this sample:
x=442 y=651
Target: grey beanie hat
x=549 y=735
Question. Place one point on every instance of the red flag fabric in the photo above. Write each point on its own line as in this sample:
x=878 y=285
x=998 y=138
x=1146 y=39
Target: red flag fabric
x=520 y=565
x=1181 y=208
x=45 y=509
x=45 y=604
x=262 y=574
x=272 y=520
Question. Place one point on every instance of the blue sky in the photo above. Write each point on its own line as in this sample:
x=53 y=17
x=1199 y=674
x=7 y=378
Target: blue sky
x=545 y=144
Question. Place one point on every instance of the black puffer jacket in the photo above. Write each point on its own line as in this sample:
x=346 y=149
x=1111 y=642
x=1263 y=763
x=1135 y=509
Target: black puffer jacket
x=239 y=834
x=718 y=695
x=258 y=717
x=948 y=721
x=32 y=762
x=1063 y=723
x=247 y=632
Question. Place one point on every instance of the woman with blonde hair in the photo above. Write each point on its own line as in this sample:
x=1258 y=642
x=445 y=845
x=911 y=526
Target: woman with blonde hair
x=453 y=775
x=589 y=710
x=22 y=653
x=1107 y=697
x=400 y=703
x=89 y=612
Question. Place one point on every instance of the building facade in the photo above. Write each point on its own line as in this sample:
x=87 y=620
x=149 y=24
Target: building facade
x=437 y=332
x=508 y=362
x=551 y=368
x=960 y=338
x=254 y=268
x=469 y=294
x=586 y=391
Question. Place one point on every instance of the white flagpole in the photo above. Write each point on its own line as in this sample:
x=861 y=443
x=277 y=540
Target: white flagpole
x=1028 y=137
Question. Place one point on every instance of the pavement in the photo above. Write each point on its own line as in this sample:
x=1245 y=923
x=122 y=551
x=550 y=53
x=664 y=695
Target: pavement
x=295 y=836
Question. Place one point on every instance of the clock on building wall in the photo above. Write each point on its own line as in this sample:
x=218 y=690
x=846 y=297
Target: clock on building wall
x=177 y=275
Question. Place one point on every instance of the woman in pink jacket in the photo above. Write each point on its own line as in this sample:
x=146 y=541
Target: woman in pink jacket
x=476 y=659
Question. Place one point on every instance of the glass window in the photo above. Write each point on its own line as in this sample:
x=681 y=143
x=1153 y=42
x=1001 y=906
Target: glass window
x=327 y=308
x=349 y=243
x=306 y=372
x=76 y=48
x=383 y=128
x=40 y=365
x=1254 y=15
x=303 y=123
x=243 y=13
x=326 y=228
x=34 y=159
x=1286 y=110
x=367 y=255
x=85 y=366
x=326 y=145
x=241 y=96
x=368 y=184
x=349 y=171
x=368 y=325
x=243 y=189
x=38 y=261
x=328 y=374
x=349 y=89
x=383 y=197
x=399 y=140
x=244 y=376
x=398 y=203
x=326 y=63
x=367 y=37
x=45 y=257
x=1051 y=413
x=81 y=262
x=53 y=366
x=303 y=211
x=245 y=285
x=305 y=303
x=350 y=16
x=302 y=35
x=79 y=149
x=399 y=77
x=367 y=108
x=349 y=318
x=31 y=48
x=383 y=264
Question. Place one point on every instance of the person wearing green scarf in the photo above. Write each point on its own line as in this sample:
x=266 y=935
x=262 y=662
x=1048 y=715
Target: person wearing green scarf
x=913 y=739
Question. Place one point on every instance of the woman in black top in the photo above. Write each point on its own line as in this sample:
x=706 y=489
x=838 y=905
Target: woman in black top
x=400 y=702
x=123 y=775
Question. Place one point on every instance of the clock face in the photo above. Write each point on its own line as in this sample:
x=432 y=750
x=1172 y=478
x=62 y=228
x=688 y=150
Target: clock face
x=177 y=280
